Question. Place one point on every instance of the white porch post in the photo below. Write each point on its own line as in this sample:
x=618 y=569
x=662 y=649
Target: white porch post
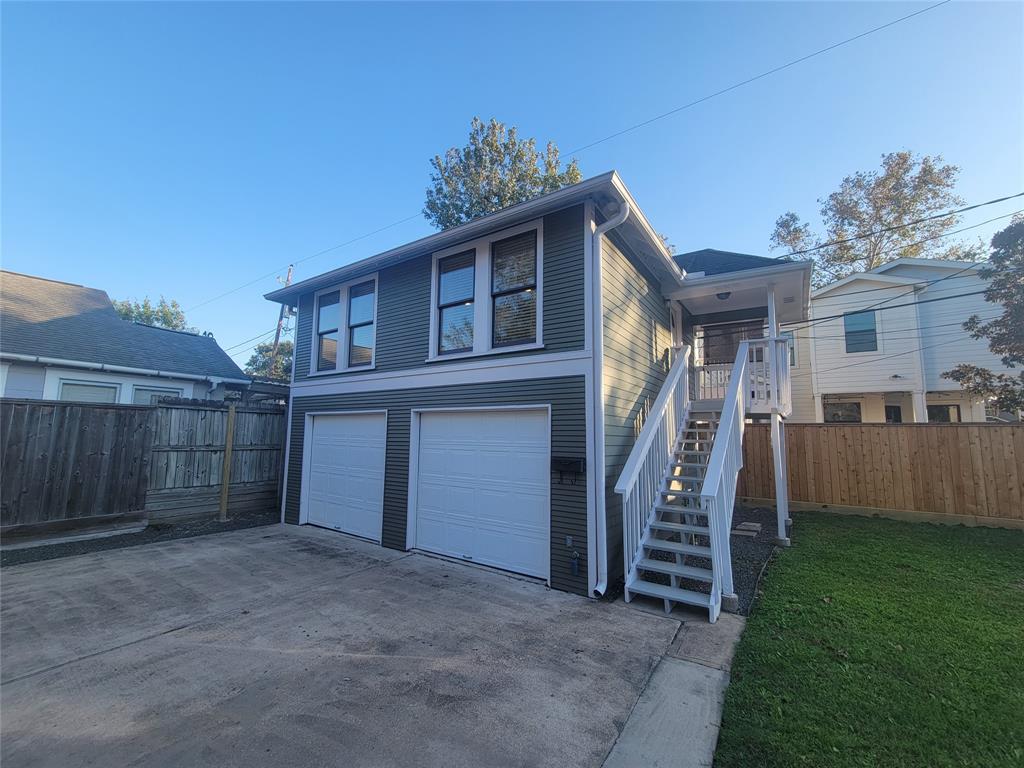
x=781 y=493
x=920 y=407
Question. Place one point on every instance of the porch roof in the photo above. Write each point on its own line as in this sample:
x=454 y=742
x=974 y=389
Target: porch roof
x=748 y=289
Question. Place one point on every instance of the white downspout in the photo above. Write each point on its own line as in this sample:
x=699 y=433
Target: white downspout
x=601 y=526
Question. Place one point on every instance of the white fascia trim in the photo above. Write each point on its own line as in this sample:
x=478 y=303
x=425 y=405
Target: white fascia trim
x=702 y=284
x=537 y=207
x=119 y=368
x=645 y=226
x=470 y=372
x=910 y=262
x=870 y=277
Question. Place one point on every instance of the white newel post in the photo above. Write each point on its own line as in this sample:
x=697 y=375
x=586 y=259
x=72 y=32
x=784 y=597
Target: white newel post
x=778 y=430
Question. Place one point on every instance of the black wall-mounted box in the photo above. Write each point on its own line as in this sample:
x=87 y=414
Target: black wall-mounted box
x=568 y=464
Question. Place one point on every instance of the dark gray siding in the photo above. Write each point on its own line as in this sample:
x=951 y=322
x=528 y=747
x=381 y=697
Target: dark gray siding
x=637 y=338
x=567 y=399
x=403 y=309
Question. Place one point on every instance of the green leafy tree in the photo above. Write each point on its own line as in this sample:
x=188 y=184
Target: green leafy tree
x=165 y=314
x=263 y=365
x=495 y=170
x=906 y=188
x=1005 y=334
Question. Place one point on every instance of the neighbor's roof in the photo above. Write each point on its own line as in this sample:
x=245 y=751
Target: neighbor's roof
x=711 y=261
x=51 y=319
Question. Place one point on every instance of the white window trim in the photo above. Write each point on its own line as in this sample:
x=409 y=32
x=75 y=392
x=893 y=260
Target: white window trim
x=483 y=312
x=791 y=334
x=172 y=391
x=341 y=364
x=878 y=332
x=89 y=383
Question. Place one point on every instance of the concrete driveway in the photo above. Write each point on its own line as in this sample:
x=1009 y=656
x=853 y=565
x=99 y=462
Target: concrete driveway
x=299 y=647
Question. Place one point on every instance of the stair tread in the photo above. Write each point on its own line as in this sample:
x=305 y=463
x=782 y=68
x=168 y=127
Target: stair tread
x=675 y=546
x=680 y=508
x=670 y=593
x=684 y=478
x=663 y=525
x=674 y=569
x=684 y=494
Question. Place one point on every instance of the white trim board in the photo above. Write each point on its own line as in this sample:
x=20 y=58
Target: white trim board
x=519 y=368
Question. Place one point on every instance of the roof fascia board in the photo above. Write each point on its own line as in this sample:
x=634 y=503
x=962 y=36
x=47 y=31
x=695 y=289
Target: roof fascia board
x=118 y=368
x=699 y=286
x=910 y=262
x=449 y=237
x=870 y=277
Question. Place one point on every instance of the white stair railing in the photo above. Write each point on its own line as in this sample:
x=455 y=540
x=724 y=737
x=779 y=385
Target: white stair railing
x=766 y=372
x=639 y=484
x=718 y=493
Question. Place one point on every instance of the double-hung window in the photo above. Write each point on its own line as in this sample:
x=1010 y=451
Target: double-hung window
x=488 y=294
x=345 y=332
x=455 y=289
x=861 y=332
x=514 y=290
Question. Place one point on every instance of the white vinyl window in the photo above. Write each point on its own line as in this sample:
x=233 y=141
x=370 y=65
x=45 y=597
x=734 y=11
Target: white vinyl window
x=345 y=327
x=487 y=296
x=151 y=395
x=88 y=392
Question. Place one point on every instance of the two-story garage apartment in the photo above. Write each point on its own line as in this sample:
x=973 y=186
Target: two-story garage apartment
x=480 y=393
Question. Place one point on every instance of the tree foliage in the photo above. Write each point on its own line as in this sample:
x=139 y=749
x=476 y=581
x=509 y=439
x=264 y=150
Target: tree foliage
x=262 y=365
x=1005 y=334
x=165 y=314
x=495 y=170
x=905 y=189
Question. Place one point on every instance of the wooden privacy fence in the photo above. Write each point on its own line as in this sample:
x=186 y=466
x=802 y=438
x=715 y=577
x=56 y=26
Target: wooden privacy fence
x=73 y=465
x=962 y=472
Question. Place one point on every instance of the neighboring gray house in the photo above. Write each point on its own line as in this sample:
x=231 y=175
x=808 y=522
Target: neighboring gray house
x=521 y=391
x=60 y=341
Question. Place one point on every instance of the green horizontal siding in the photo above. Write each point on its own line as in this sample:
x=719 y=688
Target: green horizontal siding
x=403 y=303
x=637 y=338
x=565 y=395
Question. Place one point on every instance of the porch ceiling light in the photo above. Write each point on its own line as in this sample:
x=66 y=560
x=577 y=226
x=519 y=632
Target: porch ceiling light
x=723 y=295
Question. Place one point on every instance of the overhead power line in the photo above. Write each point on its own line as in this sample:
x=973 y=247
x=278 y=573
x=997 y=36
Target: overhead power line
x=887 y=357
x=629 y=129
x=895 y=227
x=755 y=78
x=808 y=324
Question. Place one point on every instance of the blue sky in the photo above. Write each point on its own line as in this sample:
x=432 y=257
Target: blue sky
x=185 y=149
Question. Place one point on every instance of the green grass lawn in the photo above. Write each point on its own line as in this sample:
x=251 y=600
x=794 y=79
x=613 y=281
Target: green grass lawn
x=881 y=643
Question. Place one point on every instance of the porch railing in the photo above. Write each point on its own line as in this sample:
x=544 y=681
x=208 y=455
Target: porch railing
x=639 y=484
x=767 y=375
x=718 y=493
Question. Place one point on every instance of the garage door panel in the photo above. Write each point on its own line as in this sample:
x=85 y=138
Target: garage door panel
x=346 y=478
x=483 y=488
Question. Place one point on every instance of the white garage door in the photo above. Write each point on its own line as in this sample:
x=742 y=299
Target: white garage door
x=346 y=473
x=482 y=490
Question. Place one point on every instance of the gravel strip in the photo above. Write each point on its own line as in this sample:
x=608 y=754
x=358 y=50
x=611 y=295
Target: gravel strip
x=151 y=535
x=751 y=553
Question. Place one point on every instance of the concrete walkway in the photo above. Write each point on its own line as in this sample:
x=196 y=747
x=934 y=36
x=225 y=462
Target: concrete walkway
x=676 y=720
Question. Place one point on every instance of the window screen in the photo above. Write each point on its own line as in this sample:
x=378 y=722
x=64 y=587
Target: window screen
x=88 y=393
x=360 y=324
x=328 y=321
x=514 y=290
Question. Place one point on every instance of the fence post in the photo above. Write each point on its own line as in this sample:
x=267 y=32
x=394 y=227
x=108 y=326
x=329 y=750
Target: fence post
x=225 y=474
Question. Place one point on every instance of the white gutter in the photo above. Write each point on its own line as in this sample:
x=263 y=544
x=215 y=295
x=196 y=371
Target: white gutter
x=119 y=368
x=601 y=529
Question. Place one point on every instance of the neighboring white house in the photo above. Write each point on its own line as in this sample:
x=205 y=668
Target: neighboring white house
x=877 y=343
x=60 y=341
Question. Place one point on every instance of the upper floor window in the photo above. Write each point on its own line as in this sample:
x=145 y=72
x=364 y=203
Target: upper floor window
x=456 y=280
x=487 y=294
x=861 y=332
x=514 y=290
x=345 y=326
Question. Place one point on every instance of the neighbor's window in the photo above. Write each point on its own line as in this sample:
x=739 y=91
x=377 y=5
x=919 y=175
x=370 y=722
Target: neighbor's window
x=861 y=332
x=514 y=290
x=88 y=393
x=328 y=321
x=150 y=395
x=456 y=277
x=944 y=414
x=842 y=413
x=360 y=324
x=792 y=346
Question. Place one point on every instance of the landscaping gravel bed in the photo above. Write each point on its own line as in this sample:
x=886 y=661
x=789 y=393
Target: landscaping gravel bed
x=750 y=554
x=151 y=535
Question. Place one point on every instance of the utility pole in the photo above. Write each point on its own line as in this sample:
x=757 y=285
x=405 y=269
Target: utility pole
x=280 y=320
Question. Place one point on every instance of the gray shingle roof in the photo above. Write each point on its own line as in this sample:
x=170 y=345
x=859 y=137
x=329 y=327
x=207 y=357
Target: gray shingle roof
x=714 y=262
x=46 y=318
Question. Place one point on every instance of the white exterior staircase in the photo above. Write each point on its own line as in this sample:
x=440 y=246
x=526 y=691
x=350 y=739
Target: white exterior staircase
x=678 y=486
